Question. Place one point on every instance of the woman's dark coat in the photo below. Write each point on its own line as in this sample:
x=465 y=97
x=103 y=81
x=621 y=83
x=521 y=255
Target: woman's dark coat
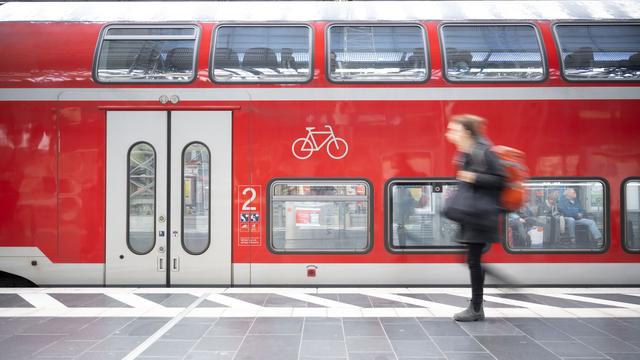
x=487 y=186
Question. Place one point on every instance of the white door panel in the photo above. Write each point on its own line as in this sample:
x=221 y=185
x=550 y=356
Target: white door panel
x=200 y=198
x=136 y=198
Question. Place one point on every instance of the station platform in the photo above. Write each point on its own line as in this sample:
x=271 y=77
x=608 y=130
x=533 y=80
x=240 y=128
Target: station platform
x=317 y=324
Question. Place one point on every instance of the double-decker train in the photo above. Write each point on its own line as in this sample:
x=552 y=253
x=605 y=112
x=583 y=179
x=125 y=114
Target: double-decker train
x=302 y=143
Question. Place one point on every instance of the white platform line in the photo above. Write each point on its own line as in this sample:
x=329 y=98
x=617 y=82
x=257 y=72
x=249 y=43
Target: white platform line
x=232 y=302
x=317 y=300
x=412 y=301
x=43 y=301
x=163 y=330
x=520 y=303
x=594 y=300
x=134 y=300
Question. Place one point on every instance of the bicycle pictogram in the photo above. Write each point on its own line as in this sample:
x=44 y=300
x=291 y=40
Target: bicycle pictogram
x=304 y=147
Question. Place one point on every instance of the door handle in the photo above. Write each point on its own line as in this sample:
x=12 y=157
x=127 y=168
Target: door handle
x=160 y=264
x=175 y=264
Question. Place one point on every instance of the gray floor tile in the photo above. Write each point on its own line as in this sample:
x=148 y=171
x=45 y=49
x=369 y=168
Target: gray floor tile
x=323 y=320
x=322 y=358
x=415 y=348
x=570 y=349
x=457 y=343
x=275 y=300
x=58 y=326
x=171 y=348
x=442 y=328
x=24 y=346
x=186 y=332
x=515 y=347
x=490 y=326
x=351 y=299
x=539 y=330
x=88 y=300
x=118 y=344
x=140 y=327
x=256 y=299
x=363 y=328
x=608 y=344
x=279 y=326
x=219 y=343
x=404 y=332
x=372 y=356
x=67 y=348
x=13 y=301
x=11 y=326
x=398 y=320
x=280 y=347
x=103 y=355
x=156 y=358
x=368 y=344
x=377 y=302
x=225 y=327
x=455 y=300
x=615 y=328
x=171 y=300
x=210 y=355
x=99 y=329
x=574 y=327
x=322 y=331
x=321 y=348
x=623 y=356
x=469 y=356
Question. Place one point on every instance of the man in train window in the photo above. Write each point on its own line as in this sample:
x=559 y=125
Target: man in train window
x=574 y=215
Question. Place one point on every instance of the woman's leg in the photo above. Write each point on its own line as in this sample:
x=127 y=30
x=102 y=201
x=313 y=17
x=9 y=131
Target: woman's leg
x=477 y=274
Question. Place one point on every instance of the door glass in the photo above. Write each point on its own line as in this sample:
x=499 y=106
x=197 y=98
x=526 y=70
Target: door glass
x=142 y=198
x=195 y=198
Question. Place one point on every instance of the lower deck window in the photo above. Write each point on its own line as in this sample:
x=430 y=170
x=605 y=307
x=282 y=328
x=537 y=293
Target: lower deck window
x=559 y=216
x=415 y=221
x=320 y=216
x=631 y=215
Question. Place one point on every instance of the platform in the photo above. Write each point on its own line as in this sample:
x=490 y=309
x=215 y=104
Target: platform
x=317 y=323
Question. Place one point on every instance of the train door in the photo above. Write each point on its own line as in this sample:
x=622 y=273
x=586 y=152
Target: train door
x=168 y=217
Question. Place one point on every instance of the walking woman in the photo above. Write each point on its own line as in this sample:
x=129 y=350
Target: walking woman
x=475 y=206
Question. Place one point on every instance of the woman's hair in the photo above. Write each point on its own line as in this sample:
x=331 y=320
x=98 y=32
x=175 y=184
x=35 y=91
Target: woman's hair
x=475 y=125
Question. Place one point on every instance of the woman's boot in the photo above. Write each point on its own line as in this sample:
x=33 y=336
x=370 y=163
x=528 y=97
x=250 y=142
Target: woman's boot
x=470 y=314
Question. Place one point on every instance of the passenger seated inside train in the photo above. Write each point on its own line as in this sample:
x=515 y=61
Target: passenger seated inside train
x=582 y=58
x=333 y=62
x=521 y=222
x=458 y=61
x=575 y=215
x=287 y=61
x=416 y=60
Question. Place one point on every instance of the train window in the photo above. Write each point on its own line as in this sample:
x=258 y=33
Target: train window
x=559 y=216
x=377 y=53
x=631 y=215
x=141 y=200
x=492 y=53
x=320 y=216
x=147 y=53
x=599 y=51
x=195 y=199
x=253 y=53
x=415 y=223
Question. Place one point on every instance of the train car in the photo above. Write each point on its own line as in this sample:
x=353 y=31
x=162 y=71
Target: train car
x=302 y=143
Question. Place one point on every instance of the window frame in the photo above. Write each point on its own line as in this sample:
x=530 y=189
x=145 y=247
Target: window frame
x=541 y=44
x=182 y=240
x=623 y=214
x=370 y=217
x=155 y=196
x=107 y=27
x=214 y=40
x=606 y=238
x=425 y=40
x=388 y=217
x=556 y=40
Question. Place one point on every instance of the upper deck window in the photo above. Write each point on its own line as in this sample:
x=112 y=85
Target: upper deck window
x=252 y=53
x=492 y=53
x=599 y=52
x=377 y=53
x=147 y=53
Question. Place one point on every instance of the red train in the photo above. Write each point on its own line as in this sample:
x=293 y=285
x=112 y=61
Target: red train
x=302 y=143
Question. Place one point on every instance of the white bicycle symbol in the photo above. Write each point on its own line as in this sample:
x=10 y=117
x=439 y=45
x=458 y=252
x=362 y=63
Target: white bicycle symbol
x=304 y=147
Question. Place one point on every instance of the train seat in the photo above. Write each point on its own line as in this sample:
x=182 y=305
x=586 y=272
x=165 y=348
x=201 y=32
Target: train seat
x=179 y=59
x=260 y=57
x=226 y=58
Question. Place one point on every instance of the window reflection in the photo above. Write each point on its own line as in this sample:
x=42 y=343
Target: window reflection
x=631 y=215
x=141 y=198
x=195 y=199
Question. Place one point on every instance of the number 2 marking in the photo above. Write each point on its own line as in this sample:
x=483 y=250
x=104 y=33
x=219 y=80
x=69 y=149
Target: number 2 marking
x=245 y=206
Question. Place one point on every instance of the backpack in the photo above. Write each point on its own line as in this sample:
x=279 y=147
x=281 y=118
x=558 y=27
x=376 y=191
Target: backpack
x=513 y=195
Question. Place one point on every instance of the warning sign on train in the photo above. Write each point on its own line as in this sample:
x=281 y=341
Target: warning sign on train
x=250 y=208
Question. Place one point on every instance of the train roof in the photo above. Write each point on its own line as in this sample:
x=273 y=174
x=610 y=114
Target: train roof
x=302 y=11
